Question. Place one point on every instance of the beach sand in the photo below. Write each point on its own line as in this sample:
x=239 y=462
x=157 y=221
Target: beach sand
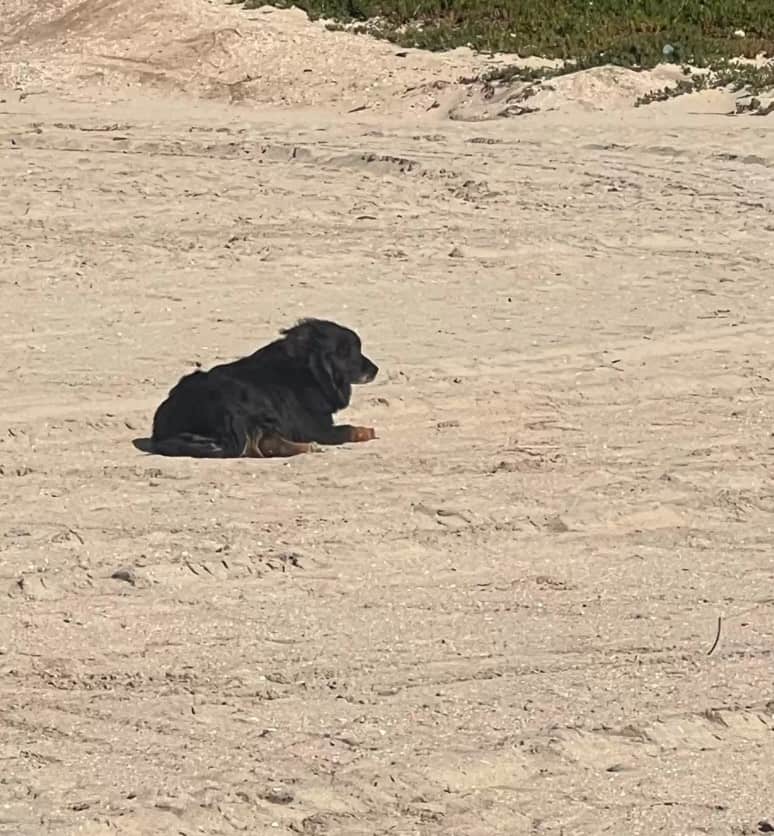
x=494 y=619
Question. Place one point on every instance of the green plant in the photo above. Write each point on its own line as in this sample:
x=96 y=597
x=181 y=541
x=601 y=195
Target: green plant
x=721 y=75
x=630 y=33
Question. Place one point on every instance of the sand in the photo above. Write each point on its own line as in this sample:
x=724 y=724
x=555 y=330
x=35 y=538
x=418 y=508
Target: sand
x=494 y=619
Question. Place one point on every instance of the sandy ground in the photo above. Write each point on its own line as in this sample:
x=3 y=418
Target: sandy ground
x=494 y=619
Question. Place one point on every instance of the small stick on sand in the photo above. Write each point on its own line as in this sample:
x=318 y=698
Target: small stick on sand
x=717 y=637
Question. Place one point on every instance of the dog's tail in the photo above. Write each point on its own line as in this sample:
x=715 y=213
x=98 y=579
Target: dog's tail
x=190 y=444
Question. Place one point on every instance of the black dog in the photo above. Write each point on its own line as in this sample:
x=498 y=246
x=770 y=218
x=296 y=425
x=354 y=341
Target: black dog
x=278 y=401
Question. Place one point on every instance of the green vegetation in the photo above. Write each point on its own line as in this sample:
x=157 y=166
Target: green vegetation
x=722 y=75
x=630 y=33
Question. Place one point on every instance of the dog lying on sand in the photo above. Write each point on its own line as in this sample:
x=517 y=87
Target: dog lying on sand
x=279 y=401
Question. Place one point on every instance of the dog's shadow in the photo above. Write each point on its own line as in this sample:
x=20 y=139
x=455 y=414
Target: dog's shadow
x=144 y=445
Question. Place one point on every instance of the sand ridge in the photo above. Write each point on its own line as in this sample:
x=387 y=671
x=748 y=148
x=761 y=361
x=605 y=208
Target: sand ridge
x=218 y=50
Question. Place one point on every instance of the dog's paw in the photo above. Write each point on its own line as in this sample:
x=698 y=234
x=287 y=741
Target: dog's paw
x=363 y=433
x=314 y=447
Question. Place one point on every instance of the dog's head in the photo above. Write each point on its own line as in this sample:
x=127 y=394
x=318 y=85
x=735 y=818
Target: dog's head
x=334 y=357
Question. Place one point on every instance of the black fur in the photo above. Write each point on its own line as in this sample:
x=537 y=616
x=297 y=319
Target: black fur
x=291 y=387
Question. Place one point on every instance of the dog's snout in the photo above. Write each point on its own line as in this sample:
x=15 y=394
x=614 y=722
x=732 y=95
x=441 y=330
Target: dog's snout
x=368 y=371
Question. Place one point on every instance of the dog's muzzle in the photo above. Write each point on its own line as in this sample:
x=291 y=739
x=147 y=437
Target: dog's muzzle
x=368 y=371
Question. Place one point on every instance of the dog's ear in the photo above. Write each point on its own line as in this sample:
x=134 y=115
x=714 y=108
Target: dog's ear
x=334 y=385
x=298 y=339
x=310 y=344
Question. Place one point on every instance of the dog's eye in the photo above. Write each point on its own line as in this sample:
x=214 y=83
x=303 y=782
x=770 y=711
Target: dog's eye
x=344 y=349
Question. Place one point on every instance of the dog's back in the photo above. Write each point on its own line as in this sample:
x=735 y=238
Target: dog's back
x=183 y=424
x=209 y=414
